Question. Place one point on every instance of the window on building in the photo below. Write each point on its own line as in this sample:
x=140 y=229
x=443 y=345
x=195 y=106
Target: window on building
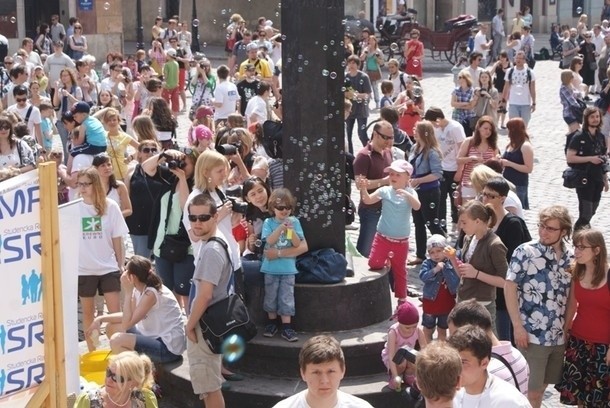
x=487 y=10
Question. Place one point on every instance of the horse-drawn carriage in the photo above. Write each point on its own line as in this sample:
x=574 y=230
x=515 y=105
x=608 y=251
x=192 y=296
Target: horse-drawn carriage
x=449 y=44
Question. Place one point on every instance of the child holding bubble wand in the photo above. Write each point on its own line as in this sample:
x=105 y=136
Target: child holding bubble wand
x=391 y=242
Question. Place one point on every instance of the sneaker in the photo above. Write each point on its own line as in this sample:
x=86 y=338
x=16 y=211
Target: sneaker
x=289 y=335
x=270 y=330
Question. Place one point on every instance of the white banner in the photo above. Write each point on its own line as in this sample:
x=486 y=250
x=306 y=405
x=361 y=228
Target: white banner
x=21 y=327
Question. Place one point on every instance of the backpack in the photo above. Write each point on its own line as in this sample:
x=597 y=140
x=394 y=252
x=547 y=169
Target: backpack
x=510 y=75
x=272 y=138
x=403 y=84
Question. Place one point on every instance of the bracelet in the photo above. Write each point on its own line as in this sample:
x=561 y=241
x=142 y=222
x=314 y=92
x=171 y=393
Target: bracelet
x=279 y=253
x=477 y=275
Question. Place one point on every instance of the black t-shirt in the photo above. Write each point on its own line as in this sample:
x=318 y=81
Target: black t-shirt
x=247 y=91
x=180 y=54
x=586 y=144
x=359 y=83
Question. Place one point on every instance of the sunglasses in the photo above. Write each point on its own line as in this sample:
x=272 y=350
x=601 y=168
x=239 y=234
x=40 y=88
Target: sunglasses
x=8 y=63
x=200 y=217
x=187 y=150
x=5 y=127
x=489 y=195
x=83 y=184
x=283 y=207
x=385 y=137
x=21 y=99
x=114 y=377
x=148 y=150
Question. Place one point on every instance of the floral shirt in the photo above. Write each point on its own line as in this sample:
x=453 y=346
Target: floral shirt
x=543 y=285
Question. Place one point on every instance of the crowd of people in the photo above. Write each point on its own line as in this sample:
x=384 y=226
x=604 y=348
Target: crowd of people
x=510 y=314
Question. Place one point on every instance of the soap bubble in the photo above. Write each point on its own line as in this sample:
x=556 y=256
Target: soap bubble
x=205 y=44
x=159 y=11
x=390 y=254
x=579 y=10
x=432 y=205
x=325 y=72
x=214 y=21
x=443 y=223
x=456 y=194
x=196 y=22
x=300 y=69
x=394 y=47
x=306 y=62
x=258 y=243
x=233 y=348
x=106 y=6
x=454 y=186
x=415 y=63
x=223 y=12
x=584 y=181
x=435 y=221
x=333 y=75
x=332 y=42
x=283 y=37
x=325 y=47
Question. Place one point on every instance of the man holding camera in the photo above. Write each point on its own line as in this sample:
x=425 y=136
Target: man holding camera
x=225 y=96
x=263 y=70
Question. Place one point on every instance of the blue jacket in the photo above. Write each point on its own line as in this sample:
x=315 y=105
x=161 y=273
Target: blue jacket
x=424 y=164
x=432 y=281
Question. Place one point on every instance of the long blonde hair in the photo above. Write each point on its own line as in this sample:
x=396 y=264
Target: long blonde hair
x=427 y=139
x=99 y=195
x=205 y=163
x=144 y=128
x=132 y=367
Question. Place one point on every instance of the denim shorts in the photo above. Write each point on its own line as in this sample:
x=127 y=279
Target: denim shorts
x=176 y=275
x=431 y=321
x=279 y=294
x=153 y=348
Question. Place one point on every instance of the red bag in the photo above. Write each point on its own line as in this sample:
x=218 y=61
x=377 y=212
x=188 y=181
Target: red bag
x=230 y=44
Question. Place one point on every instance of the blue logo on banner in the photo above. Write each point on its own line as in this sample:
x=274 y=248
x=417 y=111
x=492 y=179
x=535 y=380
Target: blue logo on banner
x=31 y=289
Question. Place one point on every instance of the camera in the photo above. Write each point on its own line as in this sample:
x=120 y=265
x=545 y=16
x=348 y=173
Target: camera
x=173 y=164
x=605 y=164
x=405 y=353
x=238 y=206
x=227 y=149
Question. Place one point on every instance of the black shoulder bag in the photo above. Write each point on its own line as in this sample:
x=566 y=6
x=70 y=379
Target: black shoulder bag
x=174 y=247
x=226 y=318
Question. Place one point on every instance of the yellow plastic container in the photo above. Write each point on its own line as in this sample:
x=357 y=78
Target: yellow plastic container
x=94 y=362
x=98 y=377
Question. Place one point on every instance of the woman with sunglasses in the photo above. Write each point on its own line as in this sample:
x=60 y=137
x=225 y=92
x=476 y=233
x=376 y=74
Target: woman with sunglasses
x=101 y=254
x=586 y=377
x=129 y=379
x=77 y=42
x=151 y=320
x=143 y=191
x=414 y=55
x=14 y=153
x=174 y=170
x=115 y=189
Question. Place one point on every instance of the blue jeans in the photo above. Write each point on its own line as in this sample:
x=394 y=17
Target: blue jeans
x=153 y=348
x=522 y=194
x=520 y=111
x=176 y=275
x=140 y=245
x=504 y=326
x=279 y=294
x=63 y=134
x=349 y=126
x=369 y=217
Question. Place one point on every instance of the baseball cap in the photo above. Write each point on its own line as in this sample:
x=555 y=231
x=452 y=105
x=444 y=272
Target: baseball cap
x=81 y=107
x=250 y=67
x=171 y=52
x=400 y=166
x=407 y=314
x=434 y=113
x=203 y=111
x=436 y=241
x=252 y=46
x=202 y=132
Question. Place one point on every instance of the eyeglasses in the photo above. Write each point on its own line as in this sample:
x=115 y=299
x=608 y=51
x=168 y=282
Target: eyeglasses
x=490 y=195
x=21 y=99
x=8 y=62
x=117 y=70
x=114 y=377
x=582 y=247
x=385 y=137
x=187 y=150
x=283 y=207
x=83 y=184
x=78 y=28
x=200 y=217
x=547 y=228
x=148 y=150
x=5 y=126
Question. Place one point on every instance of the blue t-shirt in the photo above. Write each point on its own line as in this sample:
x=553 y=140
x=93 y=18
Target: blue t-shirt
x=395 y=220
x=95 y=133
x=283 y=265
x=46 y=127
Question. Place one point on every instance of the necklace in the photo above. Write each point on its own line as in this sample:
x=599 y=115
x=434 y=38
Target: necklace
x=116 y=403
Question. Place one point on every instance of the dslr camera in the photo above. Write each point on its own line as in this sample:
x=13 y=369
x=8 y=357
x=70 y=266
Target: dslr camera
x=238 y=206
x=405 y=353
x=605 y=164
x=228 y=149
x=173 y=164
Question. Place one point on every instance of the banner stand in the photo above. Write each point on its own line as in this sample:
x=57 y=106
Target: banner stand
x=51 y=393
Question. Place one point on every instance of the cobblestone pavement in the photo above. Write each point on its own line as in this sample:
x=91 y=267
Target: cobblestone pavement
x=546 y=128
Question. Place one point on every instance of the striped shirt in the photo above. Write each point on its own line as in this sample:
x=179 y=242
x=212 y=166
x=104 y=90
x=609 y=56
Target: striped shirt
x=517 y=363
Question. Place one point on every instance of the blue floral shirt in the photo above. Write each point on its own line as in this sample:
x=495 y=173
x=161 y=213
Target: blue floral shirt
x=543 y=285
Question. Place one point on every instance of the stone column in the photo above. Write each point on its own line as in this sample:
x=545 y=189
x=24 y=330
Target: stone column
x=313 y=74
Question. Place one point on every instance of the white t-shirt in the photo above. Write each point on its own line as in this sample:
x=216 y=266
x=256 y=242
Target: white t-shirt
x=520 y=87
x=96 y=253
x=163 y=320
x=497 y=394
x=108 y=84
x=449 y=139
x=225 y=93
x=257 y=108
x=34 y=118
x=344 y=400
x=512 y=200
x=479 y=40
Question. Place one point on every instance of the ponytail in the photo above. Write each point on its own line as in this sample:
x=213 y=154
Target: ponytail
x=141 y=268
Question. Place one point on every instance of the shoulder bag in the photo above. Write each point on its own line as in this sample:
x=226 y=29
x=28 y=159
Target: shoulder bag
x=227 y=317
x=174 y=247
x=574 y=178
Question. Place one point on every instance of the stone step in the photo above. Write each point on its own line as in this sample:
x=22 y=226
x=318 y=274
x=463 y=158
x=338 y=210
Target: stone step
x=258 y=391
x=358 y=301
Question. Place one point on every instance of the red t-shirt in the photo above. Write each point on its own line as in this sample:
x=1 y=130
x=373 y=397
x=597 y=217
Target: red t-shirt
x=443 y=303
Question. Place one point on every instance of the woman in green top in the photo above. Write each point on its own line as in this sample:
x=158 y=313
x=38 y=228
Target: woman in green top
x=372 y=61
x=128 y=384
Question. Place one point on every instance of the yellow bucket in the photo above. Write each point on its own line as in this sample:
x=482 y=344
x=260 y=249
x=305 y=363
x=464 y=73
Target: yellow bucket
x=94 y=362
x=98 y=377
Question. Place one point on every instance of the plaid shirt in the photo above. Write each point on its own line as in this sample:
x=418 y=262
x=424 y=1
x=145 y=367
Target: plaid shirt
x=461 y=95
x=567 y=96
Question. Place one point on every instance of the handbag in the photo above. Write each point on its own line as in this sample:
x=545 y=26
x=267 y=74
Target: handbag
x=321 y=266
x=174 y=247
x=227 y=317
x=229 y=44
x=374 y=75
x=578 y=111
x=574 y=178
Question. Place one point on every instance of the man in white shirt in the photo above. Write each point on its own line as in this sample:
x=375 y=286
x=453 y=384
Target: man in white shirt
x=437 y=369
x=114 y=83
x=322 y=368
x=55 y=63
x=482 y=45
x=28 y=112
x=520 y=89
x=258 y=109
x=479 y=387
x=497 y=34
x=28 y=45
x=225 y=95
x=474 y=69
x=398 y=78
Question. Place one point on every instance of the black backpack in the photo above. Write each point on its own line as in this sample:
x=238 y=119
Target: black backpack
x=272 y=138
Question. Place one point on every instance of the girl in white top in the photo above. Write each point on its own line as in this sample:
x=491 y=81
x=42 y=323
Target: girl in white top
x=151 y=321
x=115 y=189
x=101 y=255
